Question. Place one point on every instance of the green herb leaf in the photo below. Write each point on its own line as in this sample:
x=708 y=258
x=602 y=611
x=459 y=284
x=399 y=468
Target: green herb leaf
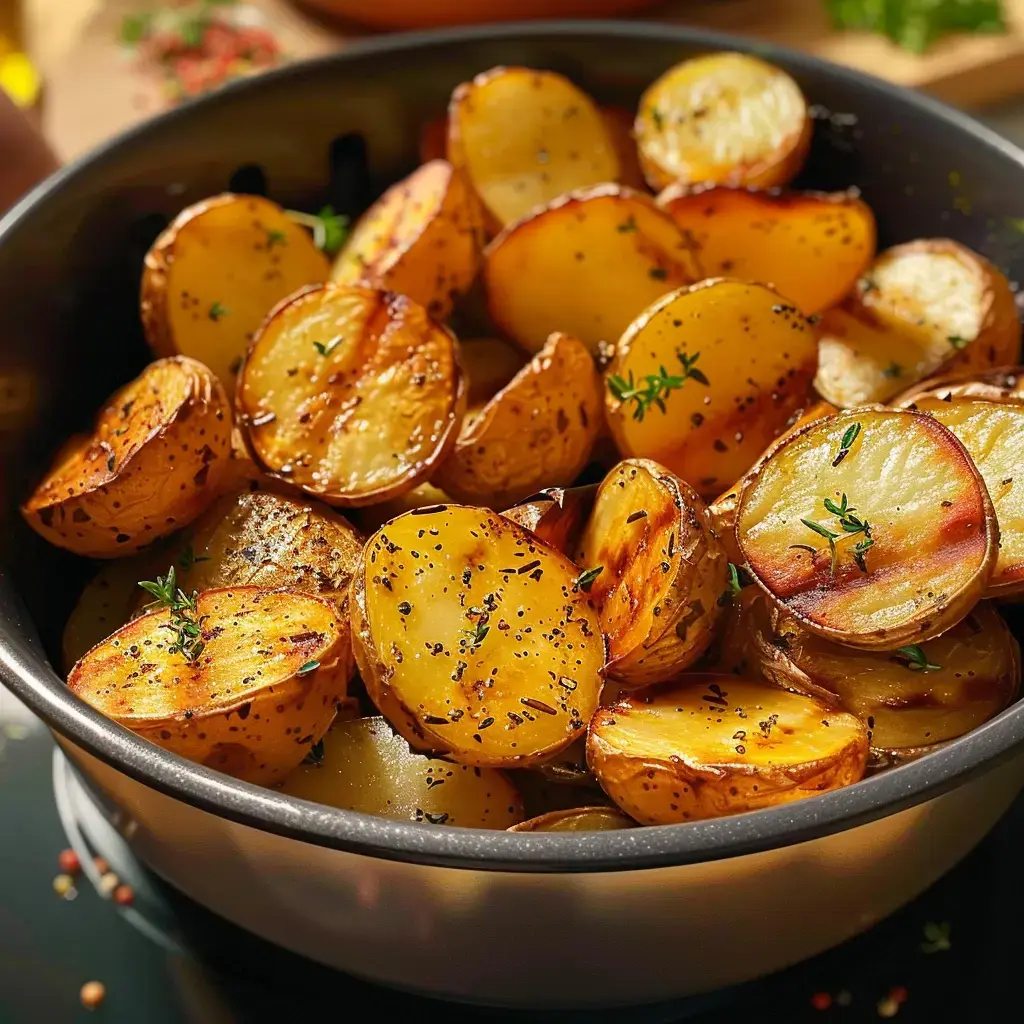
x=276 y=238
x=585 y=580
x=629 y=224
x=163 y=588
x=892 y=371
x=217 y=311
x=736 y=583
x=476 y=635
x=316 y=753
x=330 y=229
x=936 y=937
x=822 y=531
x=135 y=28
x=917 y=660
x=849 y=436
x=310 y=666
x=326 y=350
x=957 y=342
x=189 y=559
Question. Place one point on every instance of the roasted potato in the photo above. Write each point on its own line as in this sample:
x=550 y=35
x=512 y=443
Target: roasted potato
x=587 y=264
x=811 y=246
x=1005 y=384
x=706 y=377
x=618 y=123
x=351 y=394
x=371 y=518
x=422 y=238
x=713 y=745
x=489 y=364
x=537 y=431
x=655 y=571
x=216 y=272
x=365 y=766
x=525 y=136
x=433 y=143
x=722 y=118
x=474 y=639
x=578 y=819
x=556 y=515
x=921 y=307
x=242 y=680
x=153 y=462
x=873 y=528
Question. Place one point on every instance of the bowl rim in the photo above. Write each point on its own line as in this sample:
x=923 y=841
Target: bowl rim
x=46 y=695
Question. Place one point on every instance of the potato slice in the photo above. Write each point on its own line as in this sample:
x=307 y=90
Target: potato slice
x=811 y=246
x=618 y=123
x=556 y=515
x=920 y=537
x=351 y=394
x=706 y=377
x=422 y=238
x=524 y=137
x=660 y=572
x=473 y=638
x=1005 y=384
x=714 y=745
x=577 y=819
x=726 y=118
x=157 y=453
x=366 y=767
x=587 y=264
x=217 y=271
x=253 y=698
x=537 y=431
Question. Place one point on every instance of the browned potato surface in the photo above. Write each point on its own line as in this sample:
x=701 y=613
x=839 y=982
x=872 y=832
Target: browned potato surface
x=618 y=123
x=1005 y=384
x=153 y=462
x=352 y=394
x=474 y=639
x=373 y=517
x=254 y=689
x=556 y=515
x=217 y=271
x=489 y=364
x=577 y=819
x=919 y=540
x=713 y=745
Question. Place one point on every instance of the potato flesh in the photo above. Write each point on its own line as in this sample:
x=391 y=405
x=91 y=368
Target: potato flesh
x=710 y=434
x=490 y=364
x=367 y=767
x=578 y=819
x=930 y=518
x=369 y=417
x=479 y=643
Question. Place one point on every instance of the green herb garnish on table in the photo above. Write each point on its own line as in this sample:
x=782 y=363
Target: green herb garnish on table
x=916 y=24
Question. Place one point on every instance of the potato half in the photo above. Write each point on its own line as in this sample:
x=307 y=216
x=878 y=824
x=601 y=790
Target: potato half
x=707 y=377
x=473 y=638
x=1005 y=384
x=365 y=766
x=157 y=453
x=490 y=364
x=217 y=271
x=726 y=118
x=587 y=264
x=556 y=515
x=259 y=691
x=577 y=819
x=660 y=572
x=524 y=137
x=537 y=431
x=920 y=535
x=352 y=394
x=618 y=123
x=811 y=246
x=714 y=745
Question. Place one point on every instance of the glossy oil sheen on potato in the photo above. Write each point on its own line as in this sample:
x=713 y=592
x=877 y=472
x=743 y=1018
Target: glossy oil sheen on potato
x=755 y=354
x=714 y=745
x=1005 y=384
x=930 y=518
x=351 y=394
x=473 y=638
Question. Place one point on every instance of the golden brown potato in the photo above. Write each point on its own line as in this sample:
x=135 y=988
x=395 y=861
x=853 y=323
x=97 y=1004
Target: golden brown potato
x=921 y=307
x=537 y=431
x=153 y=462
x=474 y=639
x=351 y=394
x=577 y=819
x=706 y=377
x=810 y=246
x=873 y=528
x=744 y=606
x=489 y=364
x=556 y=515
x=723 y=118
x=1005 y=384
x=364 y=766
x=587 y=264
x=216 y=272
x=713 y=745
x=242 y=680
x=656 y=572
x=433 y=143
x=618 y=123
x=524 y=137
x=373 y=517
x=422 y=238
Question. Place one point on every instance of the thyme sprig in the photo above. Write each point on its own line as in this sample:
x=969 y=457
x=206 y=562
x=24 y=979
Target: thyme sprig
x=851 y=434
x=330 y=229
x=187 y=628
x=917 y=660
x=585 y=580
x=850 y=524
x=656 y=387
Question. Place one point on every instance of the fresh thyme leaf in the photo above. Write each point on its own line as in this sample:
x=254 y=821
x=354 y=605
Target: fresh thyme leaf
x=585 y=580
x=316 y=753
x=192 y=31
x=330 y=229
x=189 y=559
x=326 y=350
x=837 y=510
x=658 y=118
x=163 y=588
x=736 y=583
x=276 y=238
x=860 y=550
x=217 y=311
x=476 y=635
x=822 y=531
x=892 y=371
x=135 y=28
x=849 y=436
x=957 y=342
x=310 y=666
x=629 y=224
x=917 y=660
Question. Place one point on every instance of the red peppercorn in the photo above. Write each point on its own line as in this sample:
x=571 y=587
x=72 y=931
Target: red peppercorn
x=821 y=1000
x=125 y=895
x=100 y=865
x=68 y=862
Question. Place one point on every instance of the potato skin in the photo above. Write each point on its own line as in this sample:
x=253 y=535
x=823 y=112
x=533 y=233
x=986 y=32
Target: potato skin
x=556 y=514
x=1004 y=384
x=577 y=819
x=154 y=461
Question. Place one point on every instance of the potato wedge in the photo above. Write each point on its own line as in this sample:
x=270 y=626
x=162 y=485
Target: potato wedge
x=1005 y=384
x=578 y=819
x=525 y=136
x=257 y=690
x=726 y=118
x=351 y=394
x=556 y=515
x=473 y=638
x=490 y=364
x=422 y=238
x=873 y=528
x=810 y=246
x=713 y=745
x=537 y=431
x=675 y=392
x=660 y=572
x=154 y=461
x=618 y=123
x=216 y=272
x=587 y=264
x=365 y=766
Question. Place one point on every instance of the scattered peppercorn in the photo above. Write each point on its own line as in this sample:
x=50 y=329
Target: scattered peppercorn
x=92 y=994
